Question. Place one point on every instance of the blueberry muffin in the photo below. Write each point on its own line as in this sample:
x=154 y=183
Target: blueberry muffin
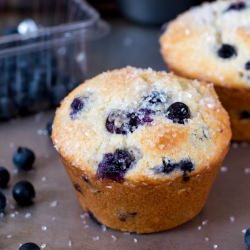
x=142 y=148
x=212 y=43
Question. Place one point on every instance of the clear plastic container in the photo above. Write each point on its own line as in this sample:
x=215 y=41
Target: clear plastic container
x=42 y=52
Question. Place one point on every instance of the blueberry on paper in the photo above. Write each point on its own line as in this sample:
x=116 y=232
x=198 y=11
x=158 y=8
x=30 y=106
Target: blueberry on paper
x=29 y=246
x=2 y=202
x=24 y=193
x=24 y=158
x=247 y=238
x=4 y=177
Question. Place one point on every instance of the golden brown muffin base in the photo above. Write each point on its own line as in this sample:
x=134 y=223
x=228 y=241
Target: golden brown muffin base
x=144 y=207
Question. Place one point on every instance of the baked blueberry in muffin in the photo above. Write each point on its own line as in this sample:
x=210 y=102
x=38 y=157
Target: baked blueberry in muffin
x=211 y=42
x=143 y=149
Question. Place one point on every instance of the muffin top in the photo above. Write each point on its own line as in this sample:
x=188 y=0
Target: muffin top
x=141 y=125
x=212 y=43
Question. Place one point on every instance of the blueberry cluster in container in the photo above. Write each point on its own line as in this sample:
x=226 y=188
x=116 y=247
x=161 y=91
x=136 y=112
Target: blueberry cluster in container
x=35 y=81
x=42 y=52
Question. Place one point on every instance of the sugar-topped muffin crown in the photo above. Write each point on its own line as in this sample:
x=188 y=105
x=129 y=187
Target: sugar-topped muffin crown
x=141 y=125
x=211 y=42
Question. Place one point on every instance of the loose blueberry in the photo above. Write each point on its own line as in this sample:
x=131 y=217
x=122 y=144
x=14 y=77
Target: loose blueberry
x=245 y=115
x=24 y=193
x=4 y=177
x=226 y=51
x=237 y=6
x=76 y=106
x=2 y=202
x=29 y=246
x=115 y=165
x=247 y=65
x=178 y=112
x=247 y=238
x=24 y=158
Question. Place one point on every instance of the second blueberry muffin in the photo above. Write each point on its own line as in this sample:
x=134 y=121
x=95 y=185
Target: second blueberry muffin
x=142 y=148
x=211 y=42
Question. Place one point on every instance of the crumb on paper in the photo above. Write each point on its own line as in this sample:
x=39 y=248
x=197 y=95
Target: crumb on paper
x=247 y=170
x=204 y=223
x=43 y=245
x=224 y=169
x=104 y=228
x=70 y=243
x=44 y=178
x=53 y=203
x=232 y=218
x=27 y=215
x=114 y=238
x=96 y=238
